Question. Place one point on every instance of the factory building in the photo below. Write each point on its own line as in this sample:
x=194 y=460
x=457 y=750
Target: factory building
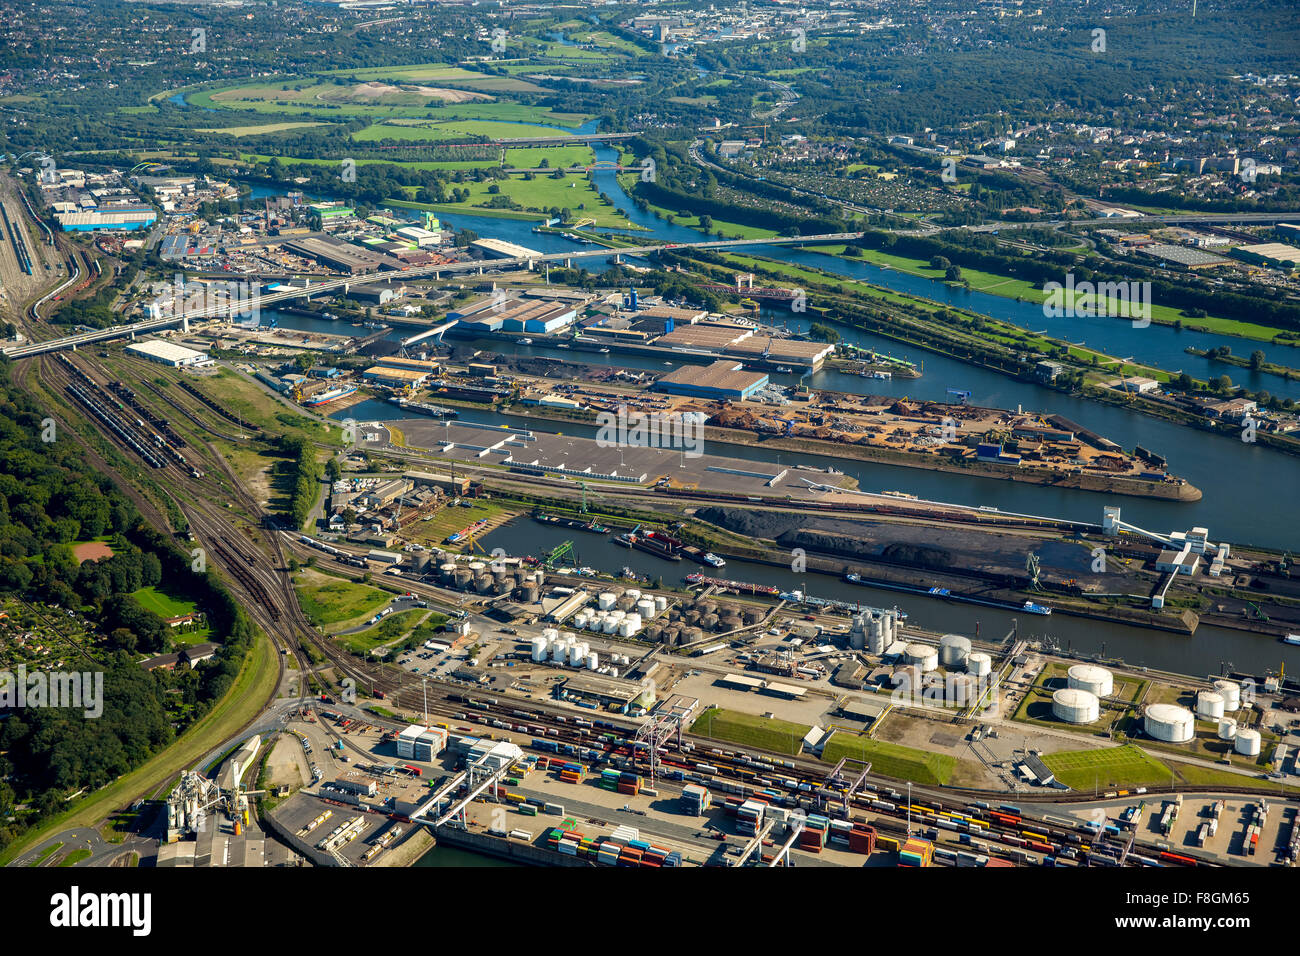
x=723 y=380
x=123 y=217
x=421 y=743
x=168 y=353
x=1274 y=255
x=499 y=249
x=613 y=693
x=395 y=377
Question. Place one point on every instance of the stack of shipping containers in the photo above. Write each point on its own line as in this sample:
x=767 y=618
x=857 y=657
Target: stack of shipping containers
x=695 y=800
x=915 y=853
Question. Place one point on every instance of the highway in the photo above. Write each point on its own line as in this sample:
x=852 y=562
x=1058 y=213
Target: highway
x=420 y=272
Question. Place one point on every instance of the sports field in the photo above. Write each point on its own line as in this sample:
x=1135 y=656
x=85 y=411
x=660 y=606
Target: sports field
x=778 y=736
x=892 y=760
x=1126 y=766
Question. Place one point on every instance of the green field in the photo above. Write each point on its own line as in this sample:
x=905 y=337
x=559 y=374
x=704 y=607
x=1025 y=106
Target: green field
x=574 y=192
x=892 y=760
x=454 y=130
x=1126 y=766
x=164 y=605
x=263 y=130
x=328 y=600
x=387 y=630
x=778 y=736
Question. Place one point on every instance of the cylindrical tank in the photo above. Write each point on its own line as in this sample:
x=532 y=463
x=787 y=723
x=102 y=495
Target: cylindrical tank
x=646 y=608
x=1231 y=693
x=628 y=627
x=462 y=579
x=593 y=662
x=923 y=656
x=1247 y=742
x=1170 y=723
x=632 y=593
x=1209 y=704
x=1227 y=728
x=979 y=664
x=576 y=657
x=539 y=648
x=609 y=625
x=708 y=621
x=580 y=619
x=448 y=570
x=626 y=602
x=1095 y=680
x=606 y=600
x=1075 y=705
x=558 y=651
x=875 y=643
x=953 y=650
x=483 y=583
x=527 y=593
x=477 y=567
x=960 y=689
x=661 y=604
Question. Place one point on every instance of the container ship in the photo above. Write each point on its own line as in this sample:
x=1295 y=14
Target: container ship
x=329 y=395
x=433 y=411
x=947 y=595
x=650 y=544
x=573 y=523
x=464 y=533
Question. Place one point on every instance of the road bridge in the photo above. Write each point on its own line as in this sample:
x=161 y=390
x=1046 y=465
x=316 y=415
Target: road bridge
x=418 y=272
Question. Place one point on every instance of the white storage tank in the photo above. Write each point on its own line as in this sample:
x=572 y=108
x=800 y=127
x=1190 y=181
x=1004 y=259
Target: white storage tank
x=1227 y=728
x=923 y=656
x=581 y=619
x=646 y=608
x=1209 y=705
x=576 y=657
x=613 y=672
x=609 y=625
x=606 y=600
x=661 y=604
x=628 y=627
x=1170 y=723
x=539 y=649
x=1248 y=742
x=1231 y=693
x=477 y=568
x=633 y=593
x=1075 y=705
x=593 y=662
x=979 y=664
x=960 y=689
x=953 y=650
x=558 y=651
x=1095 y=680
x=550 y=633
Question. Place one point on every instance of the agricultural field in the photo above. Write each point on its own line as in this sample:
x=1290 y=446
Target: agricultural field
x=892 y=760
x=454 y=130
x=263 y=130
x=536 y=196
x=767 y=733
x=327 y=600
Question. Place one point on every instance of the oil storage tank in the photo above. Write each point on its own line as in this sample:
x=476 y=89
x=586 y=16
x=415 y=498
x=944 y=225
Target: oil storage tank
x=1075 y=705
x=1247 y=742
x=1170 y=723
x=1227 y=728
x=923 y=656
x=1209 y=705
x=953 y=650
x=979 y=664
x=1231 y=693
x=1095 y=680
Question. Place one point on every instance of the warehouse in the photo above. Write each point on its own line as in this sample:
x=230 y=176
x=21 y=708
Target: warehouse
x=409 y=364
x=1275 y=255
x=611 y=692
x=740 y=682
x=167 y=353
x=341 y=257
x=723 y=380
x=499 y=249
x=395 y=377
x=124 y=217
x=793 y=352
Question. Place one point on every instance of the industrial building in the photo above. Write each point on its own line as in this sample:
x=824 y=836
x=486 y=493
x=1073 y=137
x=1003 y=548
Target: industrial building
x=421 y=743
x=723 y=380
x=1274 y=255
x=499 y=249
x=395 y=377
x=168 y=353
x=607 y=692
x=796 y=353
x=122 y=217
x=340 y=256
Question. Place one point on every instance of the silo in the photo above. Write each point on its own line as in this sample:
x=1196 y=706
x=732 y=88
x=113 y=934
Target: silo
x=1170 y=723
x=979 y=664
x=539 y=649
x=1247 y=742
x=924 y=656
x=1231 y=693
x=1095 y=680
x=1075 y=705
x=953 y=650
x=606 y=600
x=858 y=632
x=876 y=636
x=1227 y=728
x=593 y=662
x=1209 y=705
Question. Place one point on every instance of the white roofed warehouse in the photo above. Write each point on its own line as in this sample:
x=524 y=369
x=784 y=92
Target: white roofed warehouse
x=168 y=353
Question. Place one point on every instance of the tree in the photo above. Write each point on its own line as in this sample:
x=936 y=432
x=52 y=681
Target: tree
x=1256 y=360
x=952 y=274
x=939 y=262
